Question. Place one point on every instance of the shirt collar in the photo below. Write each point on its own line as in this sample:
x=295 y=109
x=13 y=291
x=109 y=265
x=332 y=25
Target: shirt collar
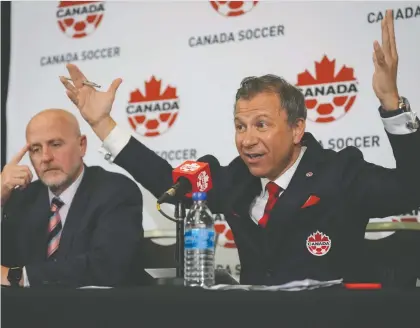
x=284 y=180
x=68 y=194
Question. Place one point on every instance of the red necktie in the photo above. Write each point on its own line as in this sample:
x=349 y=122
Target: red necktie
x=54 y=227
x=273 y=194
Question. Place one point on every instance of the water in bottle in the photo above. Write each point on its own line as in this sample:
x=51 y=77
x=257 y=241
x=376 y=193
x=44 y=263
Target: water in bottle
x=199 y=239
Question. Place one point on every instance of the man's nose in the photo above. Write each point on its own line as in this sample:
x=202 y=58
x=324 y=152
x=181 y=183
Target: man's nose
x=47 y=155
x=250 y=139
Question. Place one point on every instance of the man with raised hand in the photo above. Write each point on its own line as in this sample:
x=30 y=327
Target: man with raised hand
x=296 y=210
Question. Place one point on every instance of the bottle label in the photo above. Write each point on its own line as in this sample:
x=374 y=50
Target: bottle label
x=199 y=239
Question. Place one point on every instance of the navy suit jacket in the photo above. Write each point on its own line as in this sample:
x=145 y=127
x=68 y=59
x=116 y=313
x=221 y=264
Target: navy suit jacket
x=100 y=242
x=350 y=192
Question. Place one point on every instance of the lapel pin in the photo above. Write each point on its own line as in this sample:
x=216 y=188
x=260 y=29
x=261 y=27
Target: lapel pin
x=309 y=174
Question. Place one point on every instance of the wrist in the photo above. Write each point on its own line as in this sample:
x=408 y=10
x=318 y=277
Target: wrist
x=390 y=102
x=103 y=127
x=4 y=275
x=5 y=195
x=15 y=276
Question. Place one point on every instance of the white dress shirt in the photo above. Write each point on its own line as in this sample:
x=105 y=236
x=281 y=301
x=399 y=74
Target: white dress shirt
x=67 y=198
x=119 y=138
x=258 y=205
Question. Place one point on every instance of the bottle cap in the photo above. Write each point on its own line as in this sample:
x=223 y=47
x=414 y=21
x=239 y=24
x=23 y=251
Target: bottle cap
x=199 y=196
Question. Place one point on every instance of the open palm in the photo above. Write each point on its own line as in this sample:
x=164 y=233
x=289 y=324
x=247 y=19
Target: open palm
x=93 y=105
x=385 y=59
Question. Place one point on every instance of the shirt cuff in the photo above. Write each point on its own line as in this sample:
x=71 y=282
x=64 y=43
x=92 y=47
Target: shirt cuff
x=398 y=124
x=25 y=278
x=114 y=143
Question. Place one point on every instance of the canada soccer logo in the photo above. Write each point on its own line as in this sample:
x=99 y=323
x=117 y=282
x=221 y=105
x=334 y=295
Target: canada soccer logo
x=153 y=113
x=203 y=181
x=233 y=8
x=224 y=234
x=329 y=95
x=189 y=167
x=318 y=244
x=78 y=19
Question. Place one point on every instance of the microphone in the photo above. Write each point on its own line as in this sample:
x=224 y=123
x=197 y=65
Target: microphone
x=190 y=177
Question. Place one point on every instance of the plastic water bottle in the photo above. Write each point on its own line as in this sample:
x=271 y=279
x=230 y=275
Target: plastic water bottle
x=199 y=239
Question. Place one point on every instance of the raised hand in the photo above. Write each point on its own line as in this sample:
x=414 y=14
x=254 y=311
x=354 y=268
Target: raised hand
x=94 y=106
x=385 y=59
x=14 y=175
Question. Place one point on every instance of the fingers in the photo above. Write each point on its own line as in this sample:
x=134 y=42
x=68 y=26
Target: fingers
x=391 y=33
x=72 y=97
x=114 y=86
x=76 y=75
x=18 y=157
x=22 y=172
x=385 y=36
x=16 y=176
x=379 y=56
x=27 y=173
x=71 y=91
x=20 y=183
x=67 y=84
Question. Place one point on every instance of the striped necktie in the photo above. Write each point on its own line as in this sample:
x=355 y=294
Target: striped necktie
x=273 y=194
x=54 y=227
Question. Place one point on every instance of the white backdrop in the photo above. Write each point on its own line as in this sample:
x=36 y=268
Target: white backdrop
x=203 y=54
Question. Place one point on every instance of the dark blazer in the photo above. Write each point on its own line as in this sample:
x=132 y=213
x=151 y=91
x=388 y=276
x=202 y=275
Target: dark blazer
x=350 y=191
x=100 y=242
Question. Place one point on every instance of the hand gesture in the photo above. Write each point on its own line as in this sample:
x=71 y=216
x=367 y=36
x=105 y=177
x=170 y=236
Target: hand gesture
x=14 y=175
x=385 y=59
x=94 y=106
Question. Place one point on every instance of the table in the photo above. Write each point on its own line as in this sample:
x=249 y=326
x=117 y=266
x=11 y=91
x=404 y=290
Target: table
x=392 y=226
x=171 y=306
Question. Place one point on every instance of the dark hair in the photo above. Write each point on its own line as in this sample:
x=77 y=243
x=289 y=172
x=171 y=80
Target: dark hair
x=291 y=98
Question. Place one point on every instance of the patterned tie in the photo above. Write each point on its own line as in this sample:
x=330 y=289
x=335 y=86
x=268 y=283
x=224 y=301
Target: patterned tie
x=54 y=227
x=273 y=194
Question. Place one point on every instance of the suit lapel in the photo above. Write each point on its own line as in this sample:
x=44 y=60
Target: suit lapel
x=75 y=214
x=239 y=212
x=36 y=227
x=300 y=187
x=244 y=194
x=284 y=212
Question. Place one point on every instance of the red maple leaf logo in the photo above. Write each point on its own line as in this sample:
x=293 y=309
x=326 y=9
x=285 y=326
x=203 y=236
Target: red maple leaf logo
x=325 y=73
x=318 y=237
x=153 y=113
x=328 y=95
x=153 y=92
x=318 y=243
x=74 y=3
x=233 y=8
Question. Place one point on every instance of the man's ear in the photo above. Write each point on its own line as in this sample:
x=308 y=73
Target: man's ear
x=298 y=130
x=83 y=145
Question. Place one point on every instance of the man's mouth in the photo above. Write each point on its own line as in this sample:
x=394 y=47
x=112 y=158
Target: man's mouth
x=49 y=170
x=253 y=158
x=254 y=155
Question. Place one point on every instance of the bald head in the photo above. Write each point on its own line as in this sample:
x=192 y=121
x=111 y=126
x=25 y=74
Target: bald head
x=56 y=148
x=61 y=117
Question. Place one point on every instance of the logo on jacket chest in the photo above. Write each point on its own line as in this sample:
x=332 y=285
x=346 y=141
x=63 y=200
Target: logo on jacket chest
x=318 y=243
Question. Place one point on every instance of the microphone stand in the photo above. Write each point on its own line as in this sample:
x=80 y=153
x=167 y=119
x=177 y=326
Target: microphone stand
x=179 y=251
x=179 y=217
